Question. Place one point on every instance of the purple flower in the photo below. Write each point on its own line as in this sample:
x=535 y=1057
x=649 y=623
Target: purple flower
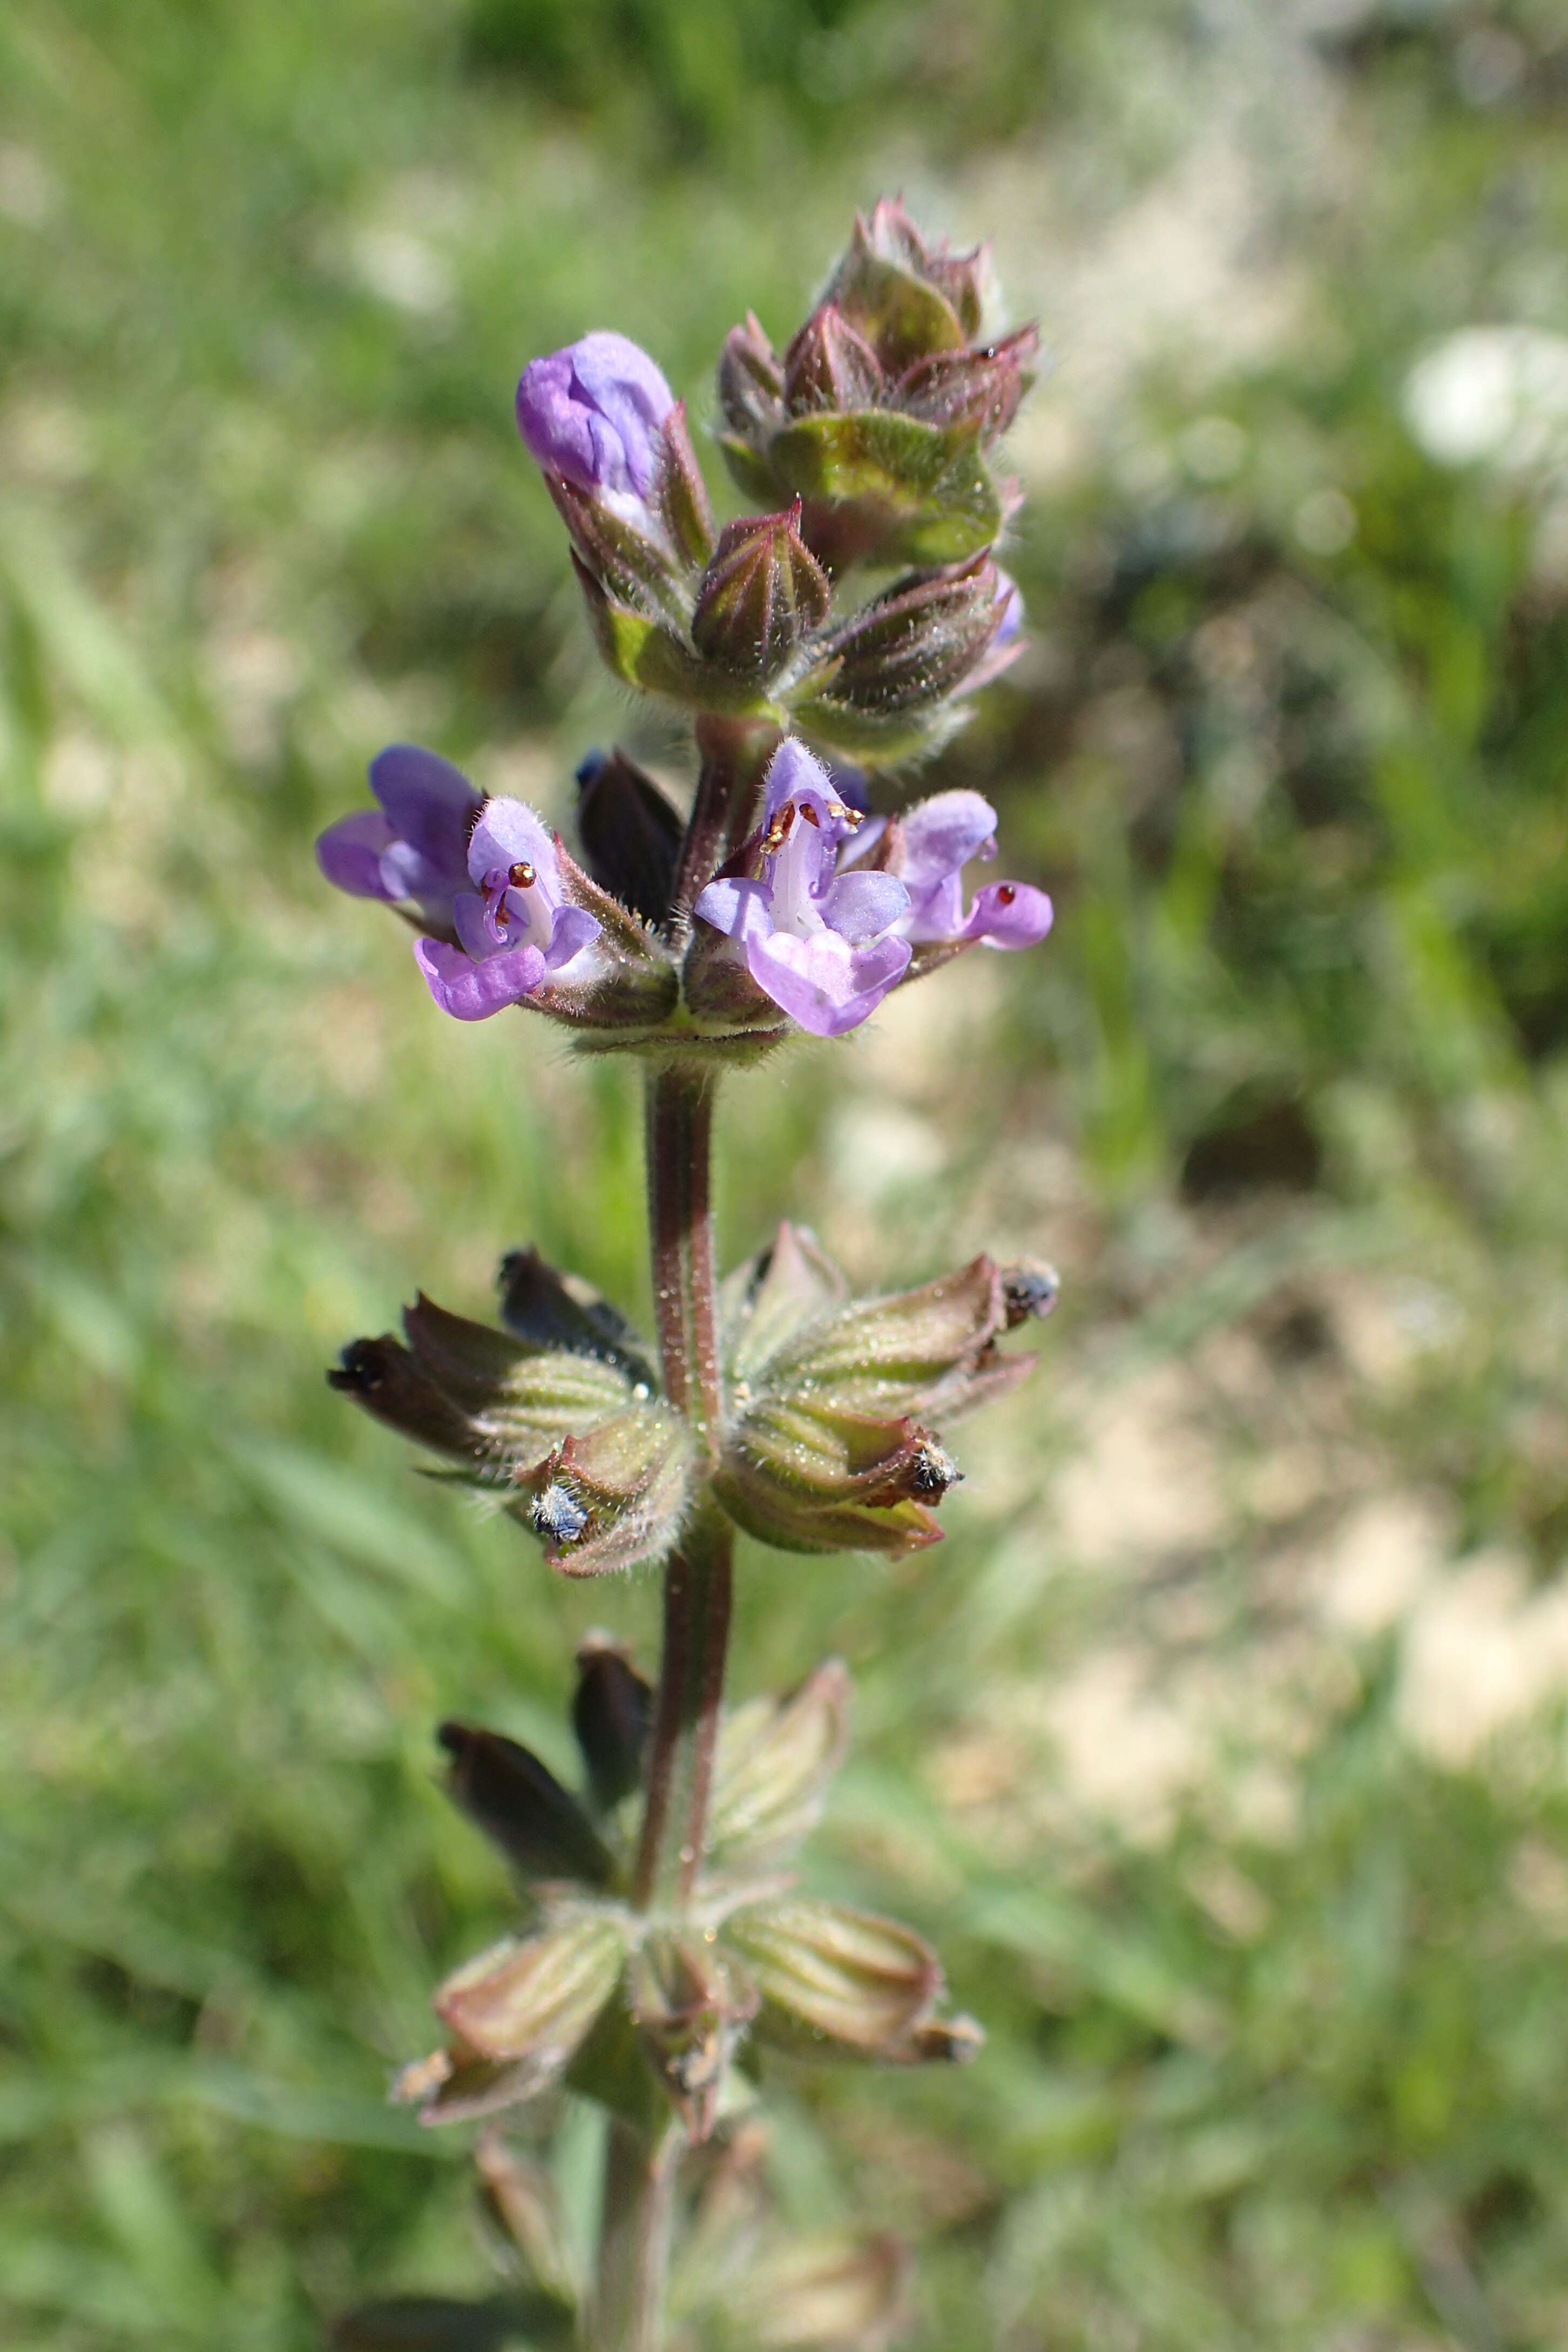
x=516 y=930
x=594 y=414
x=927 y=850
x=414 y=849
x=822 y=944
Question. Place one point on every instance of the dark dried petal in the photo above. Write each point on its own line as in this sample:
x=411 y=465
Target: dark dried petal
x=611 y=1712
x=631 y=833
x=551 y=1310
x=521 y=1806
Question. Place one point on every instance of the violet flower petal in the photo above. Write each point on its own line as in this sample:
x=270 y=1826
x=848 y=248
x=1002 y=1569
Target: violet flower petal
x=824 y=983
x=510 y=833
x=1009 y=915
x=861 y=907
x=593 y=414
x=573 y=929
x=938 y=836
x=350 y=855
x=472 y=992
x=431 y=805
x=740 y=910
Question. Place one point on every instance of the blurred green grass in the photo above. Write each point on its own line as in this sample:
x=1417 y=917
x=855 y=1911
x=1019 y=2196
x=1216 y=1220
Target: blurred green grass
x=1271 y=1957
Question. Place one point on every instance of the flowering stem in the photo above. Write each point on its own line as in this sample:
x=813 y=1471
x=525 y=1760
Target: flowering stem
x=679 y=1114
x=633 y=2243
x=734 y=754
x=640 y=2165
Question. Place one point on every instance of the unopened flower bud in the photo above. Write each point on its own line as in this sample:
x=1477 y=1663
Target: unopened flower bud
x=751 y=382
x=763 y=593
x=980 y=389
x=898 y=662
x=830 y=366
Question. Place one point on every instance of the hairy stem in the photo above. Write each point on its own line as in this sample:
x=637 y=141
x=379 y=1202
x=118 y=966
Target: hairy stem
x=640 y=2166
x=734 y=754
x=633 y=2240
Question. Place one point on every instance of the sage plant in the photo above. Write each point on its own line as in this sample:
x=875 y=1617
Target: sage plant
x=662 y=1944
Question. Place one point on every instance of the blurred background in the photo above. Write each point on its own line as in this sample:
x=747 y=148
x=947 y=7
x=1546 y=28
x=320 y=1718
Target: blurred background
x=1221 y=1745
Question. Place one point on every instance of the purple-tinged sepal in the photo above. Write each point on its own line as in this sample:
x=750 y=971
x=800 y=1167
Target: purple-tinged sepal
x=774 y=1762
x=524 y=2007
x=830 y=366
x=761 y=597
x=908 y=297
x=836 y=1981
x=889 y=676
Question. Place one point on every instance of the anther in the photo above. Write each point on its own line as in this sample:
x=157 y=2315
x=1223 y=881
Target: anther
x=522 y=876
x=1005 y=894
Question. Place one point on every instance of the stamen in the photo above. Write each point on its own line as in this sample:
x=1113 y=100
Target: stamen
x=522 y=876
x=810 y=815
x=1005 y=894
x=779 y=832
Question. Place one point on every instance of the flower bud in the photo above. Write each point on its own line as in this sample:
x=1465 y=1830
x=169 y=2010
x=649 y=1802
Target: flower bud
x=750 y=382
x=775 y=1758
x=612 y=1713
x=761 y=595
x=509 y=1794
x=909 y=299
x=654 y=656
x=691 y=2005
x=898 y=663
x=826 y=1973
x=829 y=366
x=978 y=391
x=533 y=1999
